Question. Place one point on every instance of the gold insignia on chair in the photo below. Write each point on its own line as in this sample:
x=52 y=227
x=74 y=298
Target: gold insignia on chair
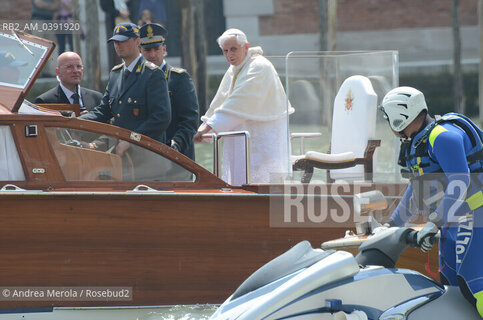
x=150 y=32
x=349 y=99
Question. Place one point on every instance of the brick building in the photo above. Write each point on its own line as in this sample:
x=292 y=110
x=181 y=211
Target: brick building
x=419 y=30
x=16 y=10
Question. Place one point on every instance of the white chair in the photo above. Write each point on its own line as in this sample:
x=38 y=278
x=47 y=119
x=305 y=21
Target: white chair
x=353 y=131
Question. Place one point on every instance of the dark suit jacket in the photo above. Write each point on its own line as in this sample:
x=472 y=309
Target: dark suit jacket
x=139 y=103
x=90 y=98
x=184 y=110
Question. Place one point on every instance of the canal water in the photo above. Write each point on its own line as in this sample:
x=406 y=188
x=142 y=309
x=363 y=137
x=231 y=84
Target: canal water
x=191 y=312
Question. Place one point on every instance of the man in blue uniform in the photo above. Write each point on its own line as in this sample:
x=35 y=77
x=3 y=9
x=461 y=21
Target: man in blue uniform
x=444 y=161
x=182 y=93
x=136 y=96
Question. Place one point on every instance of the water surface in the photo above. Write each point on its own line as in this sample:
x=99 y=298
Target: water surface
x=188 y=312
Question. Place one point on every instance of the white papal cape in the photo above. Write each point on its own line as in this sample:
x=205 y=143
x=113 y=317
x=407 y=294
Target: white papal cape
x=251 y=98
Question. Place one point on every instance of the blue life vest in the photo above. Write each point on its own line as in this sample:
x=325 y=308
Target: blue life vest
x=428 y=180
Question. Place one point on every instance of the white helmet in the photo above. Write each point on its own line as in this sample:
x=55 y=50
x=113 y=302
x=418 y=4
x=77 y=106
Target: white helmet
x=401 y=106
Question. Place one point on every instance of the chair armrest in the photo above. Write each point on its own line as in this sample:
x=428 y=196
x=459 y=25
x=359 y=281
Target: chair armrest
x=371 y=147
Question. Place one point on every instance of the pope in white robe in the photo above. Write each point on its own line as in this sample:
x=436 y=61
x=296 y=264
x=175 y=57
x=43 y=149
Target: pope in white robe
x=250 y=98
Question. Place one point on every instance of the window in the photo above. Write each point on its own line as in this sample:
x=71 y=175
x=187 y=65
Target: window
x=10 y=165
x=87 y=156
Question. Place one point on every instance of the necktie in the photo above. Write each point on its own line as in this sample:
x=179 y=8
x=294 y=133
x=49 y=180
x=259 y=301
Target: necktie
x=75 y=97
x=126 y=74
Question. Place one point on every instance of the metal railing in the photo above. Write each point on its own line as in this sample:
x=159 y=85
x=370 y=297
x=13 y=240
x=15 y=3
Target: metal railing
x=217 y=140
x=302 y=137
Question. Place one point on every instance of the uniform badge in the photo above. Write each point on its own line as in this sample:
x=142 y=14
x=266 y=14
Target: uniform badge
x=120 y=29
x=151 y=65
x=117 y=67
x=150 y=32
x=178 y=70
x=349 y=99
x=129 y=100
x=135 y=112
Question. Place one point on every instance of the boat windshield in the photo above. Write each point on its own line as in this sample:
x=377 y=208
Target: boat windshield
x=88 y=156
x=19 y=59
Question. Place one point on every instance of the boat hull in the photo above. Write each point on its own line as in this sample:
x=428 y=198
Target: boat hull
x=169 y=248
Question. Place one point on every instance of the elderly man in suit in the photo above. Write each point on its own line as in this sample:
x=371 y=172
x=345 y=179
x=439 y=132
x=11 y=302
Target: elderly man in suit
x=182 y=93
x=69 y=72
x=136 y=96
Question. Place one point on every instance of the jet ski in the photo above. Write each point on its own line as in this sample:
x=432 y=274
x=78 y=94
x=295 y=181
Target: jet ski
x=307 y=284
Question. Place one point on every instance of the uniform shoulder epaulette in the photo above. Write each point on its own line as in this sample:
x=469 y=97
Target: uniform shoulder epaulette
x=151 y=65
x=178 y=70
x=118 y=66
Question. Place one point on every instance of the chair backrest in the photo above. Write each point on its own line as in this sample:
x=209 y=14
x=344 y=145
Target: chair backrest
x=353 y=122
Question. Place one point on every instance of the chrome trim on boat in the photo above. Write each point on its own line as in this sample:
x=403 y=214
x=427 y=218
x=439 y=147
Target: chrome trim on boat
x=222 y=135
x=216 y=163
x=11 y=187
x=217 y=150
x=142 y=188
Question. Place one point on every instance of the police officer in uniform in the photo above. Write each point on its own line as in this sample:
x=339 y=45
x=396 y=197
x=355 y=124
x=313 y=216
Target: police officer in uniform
x=136 y=96
x=443 y=157
x=182 y=93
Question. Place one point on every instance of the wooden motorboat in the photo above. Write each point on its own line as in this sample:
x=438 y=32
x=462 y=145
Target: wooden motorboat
x=154 y=222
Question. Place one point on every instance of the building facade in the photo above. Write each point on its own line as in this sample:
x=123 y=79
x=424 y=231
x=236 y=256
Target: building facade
x=420 y=30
